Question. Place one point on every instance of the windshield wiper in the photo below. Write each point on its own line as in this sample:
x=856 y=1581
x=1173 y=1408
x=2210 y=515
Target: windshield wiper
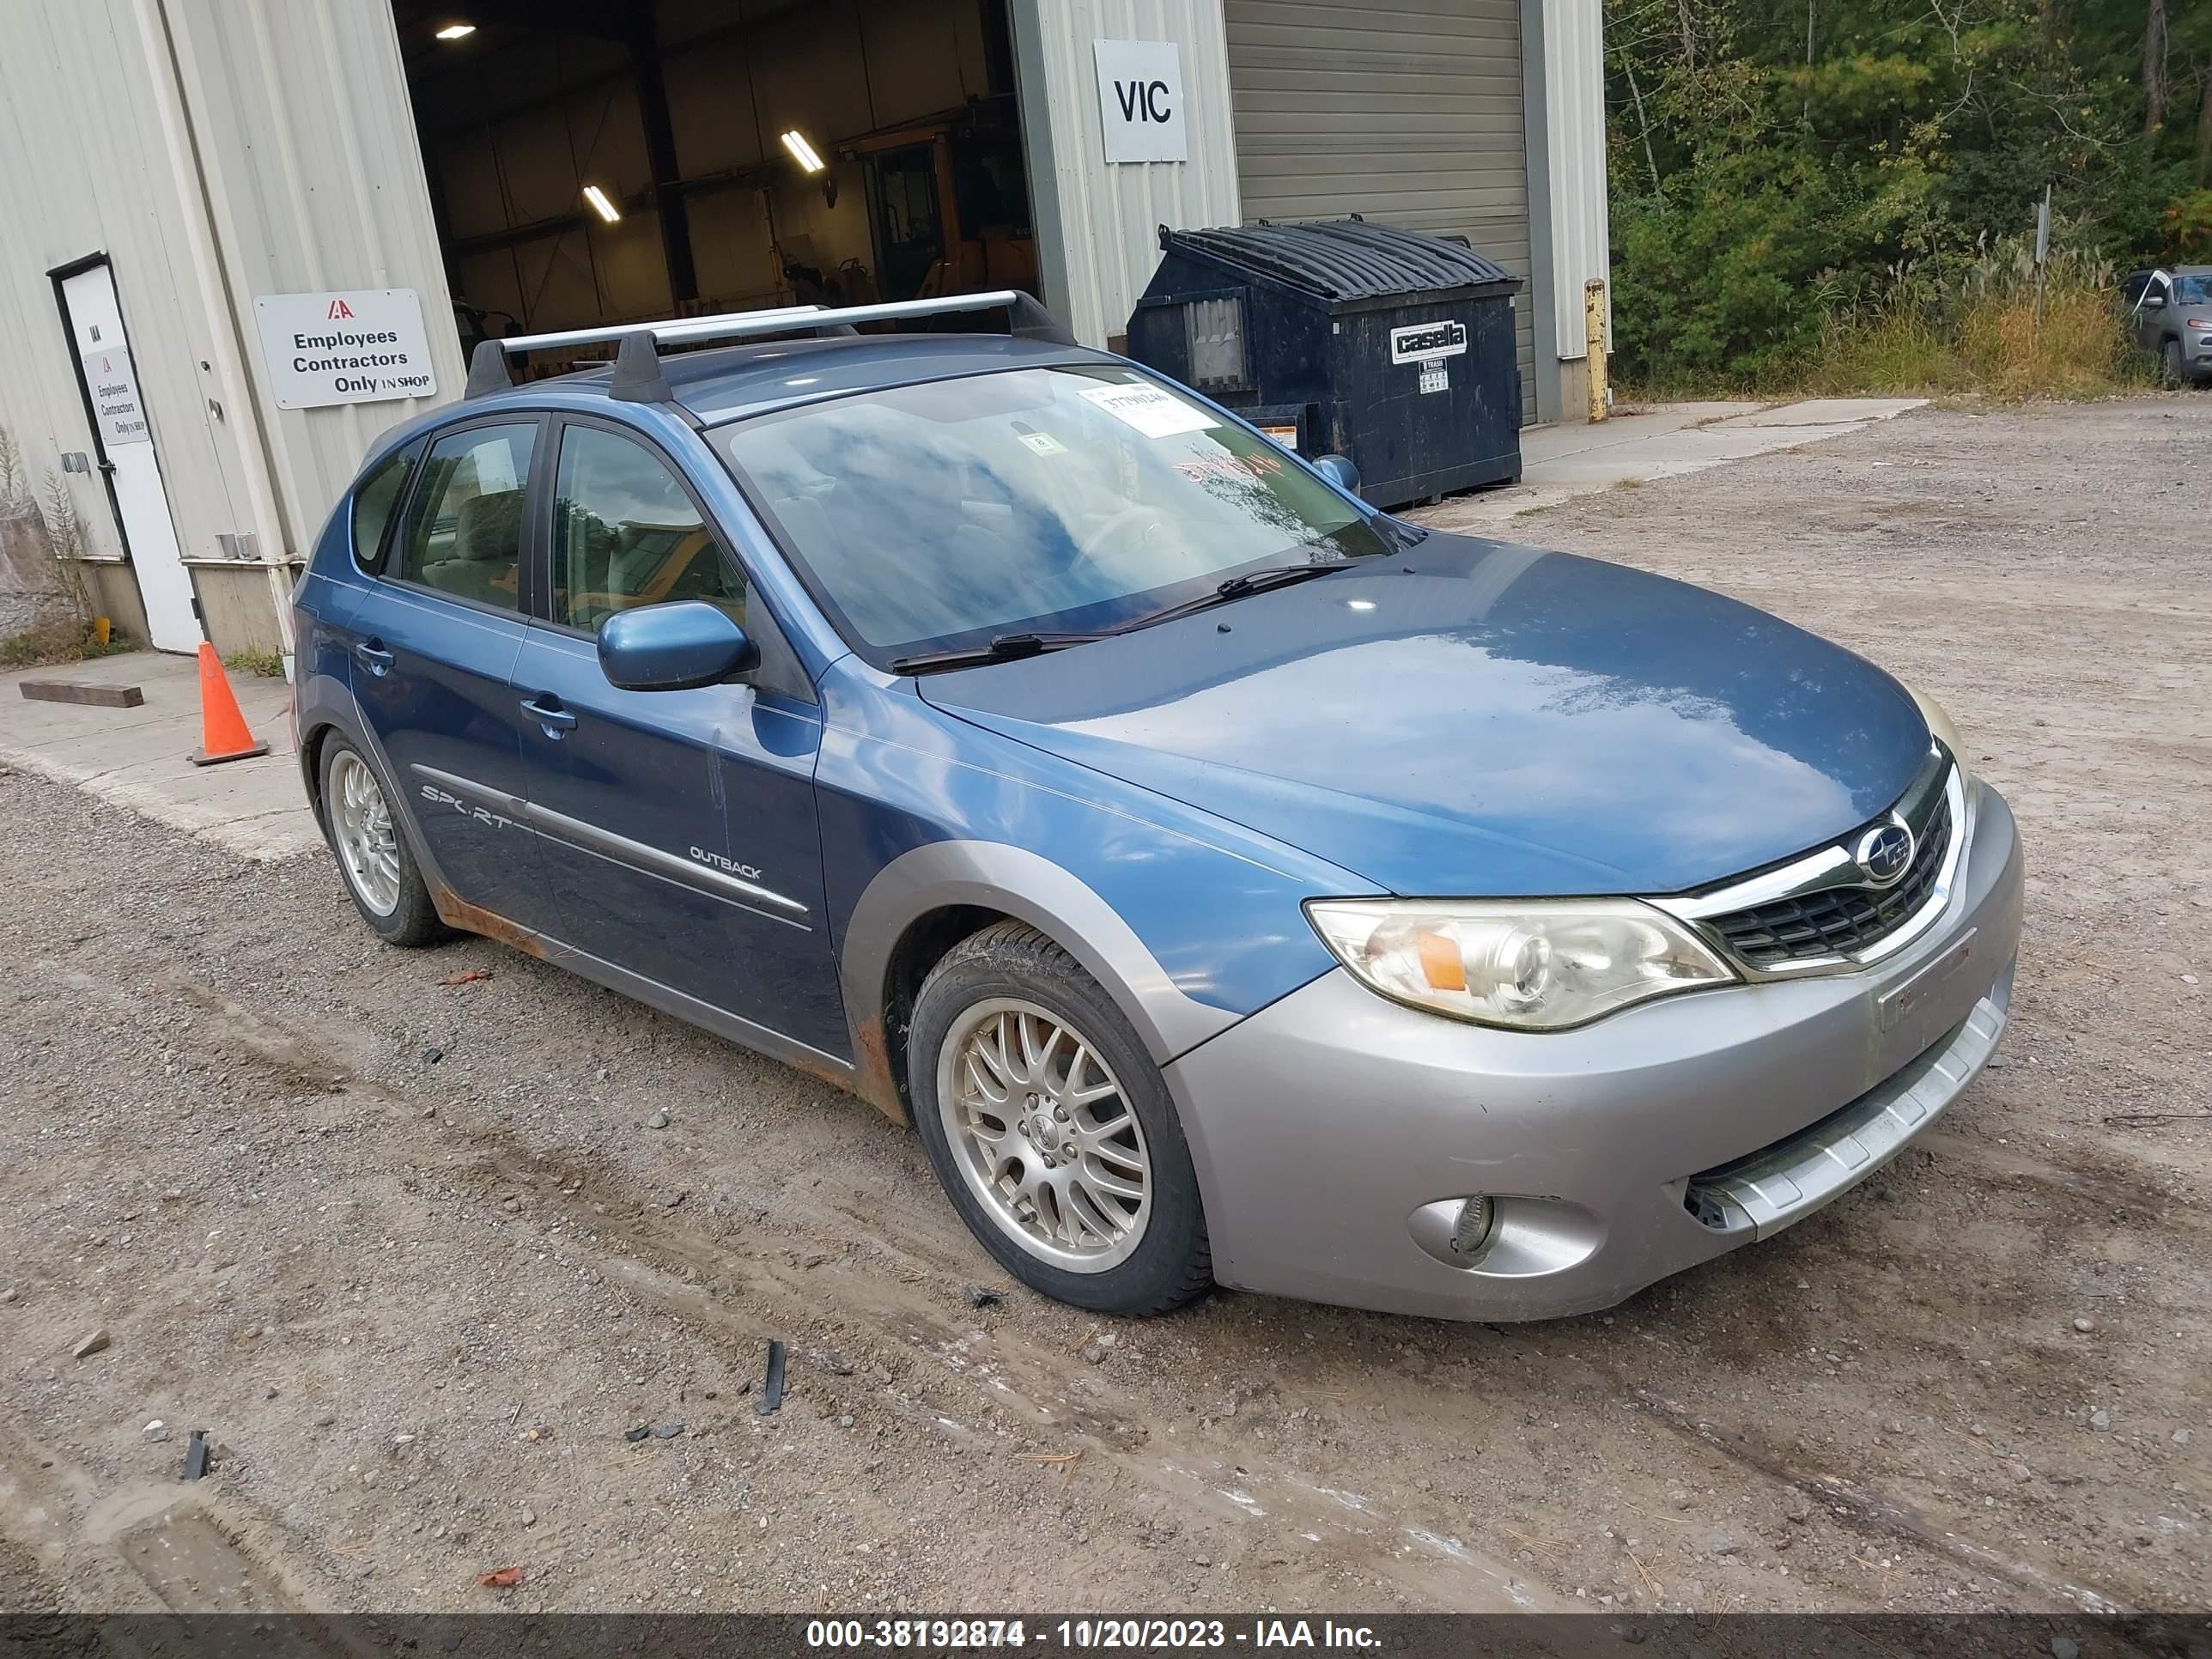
x=1236 y=587
x=1002 y=647
x=1009 y=647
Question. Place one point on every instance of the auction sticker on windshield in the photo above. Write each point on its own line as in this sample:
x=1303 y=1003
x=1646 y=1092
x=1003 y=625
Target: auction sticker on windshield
x=1151 y=410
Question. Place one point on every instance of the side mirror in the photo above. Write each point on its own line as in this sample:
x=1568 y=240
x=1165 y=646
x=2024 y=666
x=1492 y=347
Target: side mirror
x=1340 y=472
x=673 y=646
x=2153 y=303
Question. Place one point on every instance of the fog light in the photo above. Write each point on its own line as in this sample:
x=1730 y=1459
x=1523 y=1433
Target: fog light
x=1477 y=1217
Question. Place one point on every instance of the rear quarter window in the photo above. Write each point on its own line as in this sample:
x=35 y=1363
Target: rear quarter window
x=374 y=500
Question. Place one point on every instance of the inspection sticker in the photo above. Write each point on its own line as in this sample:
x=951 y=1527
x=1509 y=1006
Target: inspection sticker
x=1151 y=410
x=1042 y=443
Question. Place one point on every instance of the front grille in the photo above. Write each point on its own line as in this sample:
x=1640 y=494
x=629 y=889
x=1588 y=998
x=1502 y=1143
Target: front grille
x=1838 y=919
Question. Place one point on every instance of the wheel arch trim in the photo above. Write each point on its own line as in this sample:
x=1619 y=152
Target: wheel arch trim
x=335 y=710
x=1015 y=882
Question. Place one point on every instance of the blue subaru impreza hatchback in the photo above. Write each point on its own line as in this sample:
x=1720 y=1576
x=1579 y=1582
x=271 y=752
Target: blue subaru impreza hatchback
x=1230 y=882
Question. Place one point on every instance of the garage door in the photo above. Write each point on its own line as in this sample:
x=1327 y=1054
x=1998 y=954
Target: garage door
x=1407 y=111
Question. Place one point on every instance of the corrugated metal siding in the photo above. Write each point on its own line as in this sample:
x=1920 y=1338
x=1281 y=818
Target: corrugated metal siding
x=1108 y=216
x=1408 y=112
x=1574 y=90
x=307 y=142
x=214 y=149
x=85 y=169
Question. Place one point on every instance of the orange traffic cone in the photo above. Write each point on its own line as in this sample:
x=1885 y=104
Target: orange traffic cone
x=223 y=736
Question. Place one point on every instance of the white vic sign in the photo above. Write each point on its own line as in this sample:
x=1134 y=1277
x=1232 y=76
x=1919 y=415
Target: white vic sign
x=1140 y=101
x=361 y=346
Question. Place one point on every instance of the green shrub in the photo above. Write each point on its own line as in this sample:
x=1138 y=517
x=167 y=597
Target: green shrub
x=1986 y=332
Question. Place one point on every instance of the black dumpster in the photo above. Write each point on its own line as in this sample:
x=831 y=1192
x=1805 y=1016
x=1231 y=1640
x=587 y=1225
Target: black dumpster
x=1388 y=346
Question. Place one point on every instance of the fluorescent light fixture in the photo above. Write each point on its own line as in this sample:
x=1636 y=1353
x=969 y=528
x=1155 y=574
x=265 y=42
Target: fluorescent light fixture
x=598 y=198
x=456 y=31
x=801 y=151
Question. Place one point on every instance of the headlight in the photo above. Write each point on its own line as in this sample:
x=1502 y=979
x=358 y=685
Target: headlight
x=1939 y=724
x=1527 y=964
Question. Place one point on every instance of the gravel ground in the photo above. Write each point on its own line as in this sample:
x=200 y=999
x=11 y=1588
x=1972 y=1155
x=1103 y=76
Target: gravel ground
x=410 y=1251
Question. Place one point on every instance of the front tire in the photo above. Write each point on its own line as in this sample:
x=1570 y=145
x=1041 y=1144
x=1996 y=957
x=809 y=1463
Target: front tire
x=2177 y=370
x=375 y=861
x=1052 y=1131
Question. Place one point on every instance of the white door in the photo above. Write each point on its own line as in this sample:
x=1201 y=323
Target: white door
x=125 y=439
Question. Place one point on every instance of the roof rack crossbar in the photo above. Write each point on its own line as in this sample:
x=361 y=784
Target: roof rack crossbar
x=672 y=331
x=488 y=369
x=637 y=372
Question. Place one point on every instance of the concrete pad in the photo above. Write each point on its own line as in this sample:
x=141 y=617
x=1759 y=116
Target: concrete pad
x=1559 y=463
x=1541 y=446
x=1830 y=411
x=135 y=757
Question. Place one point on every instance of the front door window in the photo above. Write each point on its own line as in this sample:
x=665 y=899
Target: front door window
x=626 y=533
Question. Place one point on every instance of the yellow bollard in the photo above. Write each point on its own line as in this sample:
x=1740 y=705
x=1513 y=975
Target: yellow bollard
x=1593 y=340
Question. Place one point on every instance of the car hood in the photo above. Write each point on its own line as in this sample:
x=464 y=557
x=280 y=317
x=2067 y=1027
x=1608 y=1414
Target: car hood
x=1471 y=718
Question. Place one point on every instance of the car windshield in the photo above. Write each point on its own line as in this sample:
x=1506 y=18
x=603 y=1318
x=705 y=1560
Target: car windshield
x=2193 y=290
x=1072 y=499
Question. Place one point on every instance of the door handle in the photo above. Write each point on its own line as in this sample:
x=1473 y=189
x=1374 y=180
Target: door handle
x=545 y=709
x=373 y=656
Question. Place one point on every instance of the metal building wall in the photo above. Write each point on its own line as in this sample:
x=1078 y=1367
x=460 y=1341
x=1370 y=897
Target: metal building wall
x=1409 y=112
x=307 y=145
x=1097 y=224
x=87 y=167
x=215 y=150
x=1574 y=133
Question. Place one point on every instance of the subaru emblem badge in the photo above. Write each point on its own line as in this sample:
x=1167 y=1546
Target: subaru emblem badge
x=1885 y=852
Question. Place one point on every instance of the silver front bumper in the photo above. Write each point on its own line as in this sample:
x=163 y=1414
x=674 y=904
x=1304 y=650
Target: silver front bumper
x=1324 y=1127
x=1762 y=1194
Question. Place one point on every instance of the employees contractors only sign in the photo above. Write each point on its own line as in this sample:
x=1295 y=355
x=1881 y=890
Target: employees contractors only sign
x=361 y=346
x=114 y=384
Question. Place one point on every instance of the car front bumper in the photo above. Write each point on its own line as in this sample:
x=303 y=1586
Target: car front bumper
x=1334 y=1132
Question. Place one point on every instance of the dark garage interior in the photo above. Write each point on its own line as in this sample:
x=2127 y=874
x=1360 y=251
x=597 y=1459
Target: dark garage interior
x=594 y=161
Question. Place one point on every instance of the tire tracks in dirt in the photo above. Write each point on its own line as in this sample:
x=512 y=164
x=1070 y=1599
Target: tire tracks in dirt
x=890 y=1294
x=831 y=1276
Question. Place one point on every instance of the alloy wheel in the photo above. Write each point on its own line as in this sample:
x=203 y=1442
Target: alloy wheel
x=1044 y=1135
x=367 y=841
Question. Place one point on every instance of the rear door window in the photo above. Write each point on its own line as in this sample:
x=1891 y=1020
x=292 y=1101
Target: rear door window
x=465 y=528
x=374 y=500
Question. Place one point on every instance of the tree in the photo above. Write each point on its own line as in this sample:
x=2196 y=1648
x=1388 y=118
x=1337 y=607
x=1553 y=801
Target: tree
x=2205 y=123
x=1779 y=159
x=2154 y=65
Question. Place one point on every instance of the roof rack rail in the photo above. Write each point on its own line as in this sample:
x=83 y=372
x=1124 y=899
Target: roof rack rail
x=638 y=377
x=487 y=370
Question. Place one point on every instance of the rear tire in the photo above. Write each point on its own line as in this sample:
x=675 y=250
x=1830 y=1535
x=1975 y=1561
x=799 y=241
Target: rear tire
x=1080 y=1185
x=375 y=861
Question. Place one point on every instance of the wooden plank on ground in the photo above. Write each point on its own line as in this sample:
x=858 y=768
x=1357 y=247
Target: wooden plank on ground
x=105 y=696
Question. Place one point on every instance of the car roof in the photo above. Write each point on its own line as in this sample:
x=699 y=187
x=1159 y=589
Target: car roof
x=722 y=383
